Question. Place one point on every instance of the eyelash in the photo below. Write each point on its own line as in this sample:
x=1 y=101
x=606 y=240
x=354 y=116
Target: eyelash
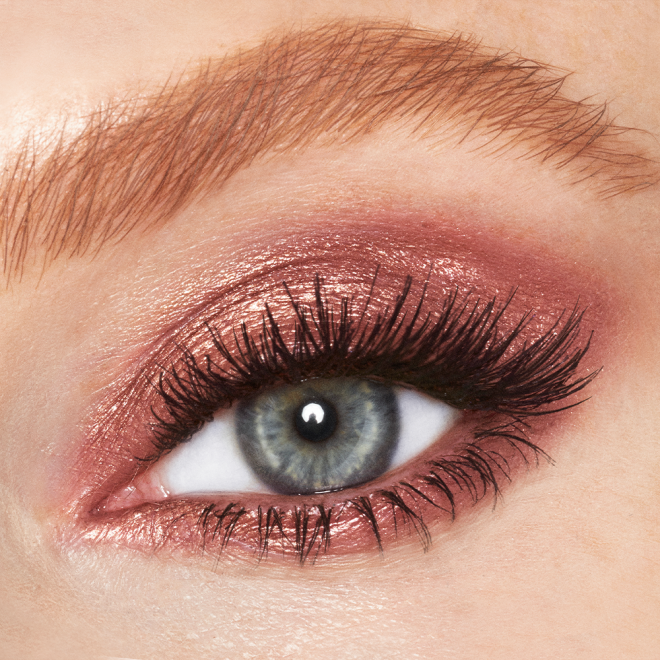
x=458 y=354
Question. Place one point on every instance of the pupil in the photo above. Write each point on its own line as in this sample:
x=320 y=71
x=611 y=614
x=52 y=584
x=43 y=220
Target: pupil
x=315 y=420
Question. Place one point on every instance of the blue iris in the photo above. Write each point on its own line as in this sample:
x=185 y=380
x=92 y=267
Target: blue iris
x=320 y=435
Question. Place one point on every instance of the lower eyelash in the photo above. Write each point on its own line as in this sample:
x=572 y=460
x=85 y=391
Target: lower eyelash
x=476 y=472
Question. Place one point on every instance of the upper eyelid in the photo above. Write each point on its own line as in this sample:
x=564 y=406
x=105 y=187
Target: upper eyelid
x=136 y=163
x=129 y=390
x=408 y=333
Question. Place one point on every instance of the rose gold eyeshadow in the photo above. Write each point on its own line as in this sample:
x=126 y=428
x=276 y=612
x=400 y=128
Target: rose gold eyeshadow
x=346 y=256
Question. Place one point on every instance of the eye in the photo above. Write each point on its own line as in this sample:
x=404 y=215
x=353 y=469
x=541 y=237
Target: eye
x=326 y=424
x=319 y=436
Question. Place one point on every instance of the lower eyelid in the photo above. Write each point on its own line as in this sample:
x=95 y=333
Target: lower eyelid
x=392 y=509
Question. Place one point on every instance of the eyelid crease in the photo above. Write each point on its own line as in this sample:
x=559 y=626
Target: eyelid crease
x=138 y=162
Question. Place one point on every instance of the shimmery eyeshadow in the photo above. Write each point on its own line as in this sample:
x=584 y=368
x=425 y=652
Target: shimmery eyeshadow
x=449 y=260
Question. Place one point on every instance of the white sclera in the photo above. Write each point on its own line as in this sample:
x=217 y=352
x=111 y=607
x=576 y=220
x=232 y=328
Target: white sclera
x=212 y=461
x=422 y=420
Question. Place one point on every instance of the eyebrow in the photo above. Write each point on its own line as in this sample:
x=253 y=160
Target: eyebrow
x=136 y=163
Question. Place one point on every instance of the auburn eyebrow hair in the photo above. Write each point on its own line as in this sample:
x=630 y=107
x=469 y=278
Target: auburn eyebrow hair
x=138 y=162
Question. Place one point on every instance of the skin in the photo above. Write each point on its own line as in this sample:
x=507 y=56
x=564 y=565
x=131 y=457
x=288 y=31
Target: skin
x=567 y=567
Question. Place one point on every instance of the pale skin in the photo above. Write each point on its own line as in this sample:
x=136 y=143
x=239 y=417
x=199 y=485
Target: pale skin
x=566 y=566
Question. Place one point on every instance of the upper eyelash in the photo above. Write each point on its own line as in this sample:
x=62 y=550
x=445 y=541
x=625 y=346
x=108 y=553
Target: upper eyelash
x=457 y=355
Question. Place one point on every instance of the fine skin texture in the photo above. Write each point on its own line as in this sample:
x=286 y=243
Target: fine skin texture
x=564 y=566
